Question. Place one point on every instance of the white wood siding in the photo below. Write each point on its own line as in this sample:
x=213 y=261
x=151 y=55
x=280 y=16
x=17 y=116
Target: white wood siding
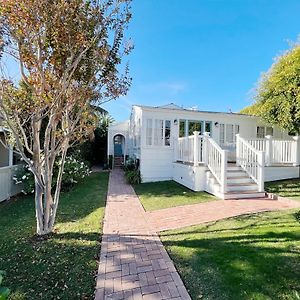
x=7 y=186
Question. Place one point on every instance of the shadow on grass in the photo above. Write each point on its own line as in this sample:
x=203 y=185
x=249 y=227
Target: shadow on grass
x=250 y=262
x=285 y=188
x=64 y=264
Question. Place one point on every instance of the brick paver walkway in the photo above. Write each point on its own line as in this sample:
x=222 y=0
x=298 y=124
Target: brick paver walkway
x=133 y=262
x=182 y=216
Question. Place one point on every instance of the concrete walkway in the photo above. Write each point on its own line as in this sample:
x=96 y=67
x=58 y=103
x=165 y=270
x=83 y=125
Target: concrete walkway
x=182 y=216
x=133 y=262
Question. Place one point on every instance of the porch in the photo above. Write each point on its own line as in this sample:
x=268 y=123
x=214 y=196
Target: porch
x=238 y=170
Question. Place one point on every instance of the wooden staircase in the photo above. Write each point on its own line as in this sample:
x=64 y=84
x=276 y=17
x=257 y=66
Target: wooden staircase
x=239 y=184
x=118 y=162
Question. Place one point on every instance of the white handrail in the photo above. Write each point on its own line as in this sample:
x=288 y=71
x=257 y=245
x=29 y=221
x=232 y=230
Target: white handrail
x=283 y=151
x=258 y=143
x=277 y=151
x=190 y=149
x=216 y=159
x=251 y=160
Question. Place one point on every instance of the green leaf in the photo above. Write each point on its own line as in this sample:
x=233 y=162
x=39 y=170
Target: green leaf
x=4 y=293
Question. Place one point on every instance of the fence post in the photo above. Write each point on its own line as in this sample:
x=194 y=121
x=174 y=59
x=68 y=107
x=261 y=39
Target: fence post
x=224 y=171
x=237 y=147
x=205 y=147
x=297 y=150
x=196 y=147
x=269 y=150
x=261 y=170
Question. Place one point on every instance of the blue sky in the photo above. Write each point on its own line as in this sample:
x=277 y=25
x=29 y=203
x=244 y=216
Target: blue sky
x=204 y=53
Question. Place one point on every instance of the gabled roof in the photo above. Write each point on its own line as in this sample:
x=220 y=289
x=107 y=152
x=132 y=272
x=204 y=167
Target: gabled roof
x=170 y=105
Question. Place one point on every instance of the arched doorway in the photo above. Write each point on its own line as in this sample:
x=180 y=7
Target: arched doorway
x=119 y=145
x=119 y=150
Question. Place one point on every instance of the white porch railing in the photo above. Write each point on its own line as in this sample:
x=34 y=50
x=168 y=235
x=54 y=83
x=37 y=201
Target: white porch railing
x=190 y=149
x=258 y=144
x=277 y=151
x=197 y=149
x=251 y=160
x=8 y=187
x=216 y=162
x=283 y=151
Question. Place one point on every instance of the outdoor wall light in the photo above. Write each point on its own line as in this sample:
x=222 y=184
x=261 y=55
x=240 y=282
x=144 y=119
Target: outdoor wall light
x=216 y=124
x=175 y=122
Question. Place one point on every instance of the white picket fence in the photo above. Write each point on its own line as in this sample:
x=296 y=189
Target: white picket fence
x=8 y=188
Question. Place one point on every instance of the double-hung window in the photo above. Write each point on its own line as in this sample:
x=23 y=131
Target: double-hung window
x=228 y=133
x=158 y=132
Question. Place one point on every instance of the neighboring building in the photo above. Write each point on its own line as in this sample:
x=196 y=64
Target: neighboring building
x=8 y=167
x=163 y=140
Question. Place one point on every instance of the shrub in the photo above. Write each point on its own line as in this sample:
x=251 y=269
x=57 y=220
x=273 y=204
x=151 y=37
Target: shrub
x=130 y=165
x=4 y=291
x=133 y=176
x=74 y=170
x=132 y=172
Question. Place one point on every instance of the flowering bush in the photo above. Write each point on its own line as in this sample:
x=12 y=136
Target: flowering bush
x=74 y=170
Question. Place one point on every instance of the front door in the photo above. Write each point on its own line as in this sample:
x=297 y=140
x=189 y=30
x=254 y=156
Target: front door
x=118 y=149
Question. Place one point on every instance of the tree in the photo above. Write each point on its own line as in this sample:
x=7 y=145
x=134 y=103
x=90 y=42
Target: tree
x=70 y=56
x=253 y=110
x=278 y=93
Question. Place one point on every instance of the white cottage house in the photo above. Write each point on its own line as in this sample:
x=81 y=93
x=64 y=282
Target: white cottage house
x=230 y=155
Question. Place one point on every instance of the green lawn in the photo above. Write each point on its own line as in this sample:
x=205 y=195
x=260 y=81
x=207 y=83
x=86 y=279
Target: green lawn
x=285 y=188
x=248 y=257
x=164 y=194
x=63 y=266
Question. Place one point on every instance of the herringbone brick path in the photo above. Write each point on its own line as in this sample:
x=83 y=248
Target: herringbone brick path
x=133 y=262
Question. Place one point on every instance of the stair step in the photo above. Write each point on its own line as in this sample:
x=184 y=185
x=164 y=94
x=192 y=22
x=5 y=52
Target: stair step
x=236 y=173
x=244 y=195
x=241 y=187
x=239 y=179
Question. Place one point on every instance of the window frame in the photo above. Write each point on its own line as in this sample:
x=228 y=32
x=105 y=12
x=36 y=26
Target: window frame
x=162 y=145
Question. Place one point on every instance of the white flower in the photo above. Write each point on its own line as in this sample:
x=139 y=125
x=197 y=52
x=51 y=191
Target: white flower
x=24 y=177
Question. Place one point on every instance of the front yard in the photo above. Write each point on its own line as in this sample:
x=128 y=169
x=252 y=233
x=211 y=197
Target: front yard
x=64 y=265
x=164 y=194
x=248 y=257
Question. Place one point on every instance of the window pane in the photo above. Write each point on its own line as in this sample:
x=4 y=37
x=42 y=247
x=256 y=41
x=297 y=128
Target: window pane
x=167 y=132
x=194 y=126
x=222 y=134
x=237 y=131
x=158 y=133
x=269 y=131
x=149 y=132
x=260 y=132
x=208 y=127
x=229 y=133
x=182 y=128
